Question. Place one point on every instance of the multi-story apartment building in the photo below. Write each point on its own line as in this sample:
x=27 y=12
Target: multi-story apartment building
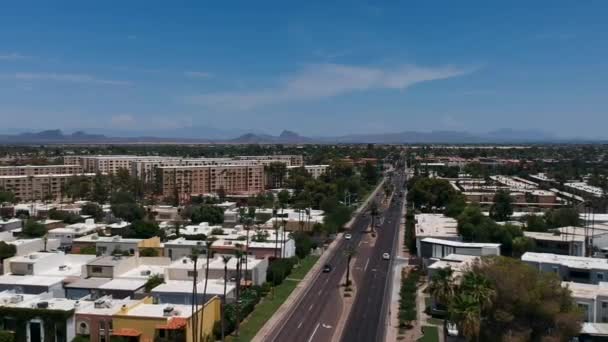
x=186 y=181
x=315 y=171
x=33 y=170
x=38 y=187
x=290 y=160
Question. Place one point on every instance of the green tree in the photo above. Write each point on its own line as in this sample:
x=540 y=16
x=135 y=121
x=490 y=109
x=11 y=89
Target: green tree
x=143 y=229
x=93 y=210
x=33 y=229
x=349 y=252
x=528 y=305
x=207 y=213
x=465 y=311
x=502 y=209
x=129 y=212
x=521 y=245
x=7 y=250
x=563 y=217
x=153 y=281
x=535 y=223
x=442 y=287
x=7 y=196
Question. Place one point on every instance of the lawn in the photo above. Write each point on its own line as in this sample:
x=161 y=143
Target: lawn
x=431 y=334
x=267 y=307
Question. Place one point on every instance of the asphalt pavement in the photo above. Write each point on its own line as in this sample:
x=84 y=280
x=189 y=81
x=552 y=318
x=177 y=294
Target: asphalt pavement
x=366 y=321
x=317 y=313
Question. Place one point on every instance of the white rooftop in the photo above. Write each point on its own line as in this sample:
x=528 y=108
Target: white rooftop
x=567 y=260
x=436 y=225
x=460 y=243
x=123 y=284
x=157 y=310
x=29 y=280
x=554 y=237
x=218 y=263
x=214 y=287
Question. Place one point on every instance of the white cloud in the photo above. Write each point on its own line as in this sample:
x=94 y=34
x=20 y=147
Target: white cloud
x=319 y=81
x=12 y=56
x=197 y=74
x=72 y=78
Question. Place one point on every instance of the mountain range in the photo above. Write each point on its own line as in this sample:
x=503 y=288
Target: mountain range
x=197 y=135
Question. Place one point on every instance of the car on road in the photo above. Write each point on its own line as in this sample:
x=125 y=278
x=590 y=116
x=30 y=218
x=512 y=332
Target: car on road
x=327 y=268
x=386 y=256
x=348 y=236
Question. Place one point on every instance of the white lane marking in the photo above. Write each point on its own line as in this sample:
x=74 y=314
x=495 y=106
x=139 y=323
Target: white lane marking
x=359 y=244
x=314 y=332
x=366 y=263
x=326 y=280
x=319 y=293
x=310 y=308
x=299 y=325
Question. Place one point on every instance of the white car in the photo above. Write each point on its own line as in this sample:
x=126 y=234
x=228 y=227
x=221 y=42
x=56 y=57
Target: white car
x=348 y=236
x=386 y=256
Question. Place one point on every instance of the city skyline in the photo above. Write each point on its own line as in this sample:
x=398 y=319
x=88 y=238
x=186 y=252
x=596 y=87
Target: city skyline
x=317 y=69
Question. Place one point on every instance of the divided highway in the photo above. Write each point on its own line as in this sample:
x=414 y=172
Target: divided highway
x=315 y=316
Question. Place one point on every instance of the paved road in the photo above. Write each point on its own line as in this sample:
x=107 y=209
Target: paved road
x=318 y=312
x=366 y=321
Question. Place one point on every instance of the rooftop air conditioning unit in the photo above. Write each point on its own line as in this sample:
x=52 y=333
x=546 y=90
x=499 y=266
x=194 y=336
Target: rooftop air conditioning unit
x=63 y=267
x=184 y=261
x=42 y=305
x=167 y=311
x=95 y=237
x=145 y=273
x=16 y=299
x=116 y=238
x=33 y=256
x=100 y=303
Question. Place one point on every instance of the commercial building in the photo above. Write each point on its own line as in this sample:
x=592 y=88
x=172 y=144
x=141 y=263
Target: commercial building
x=431 y=248
x=458 y=263
x=38 y=187
x=186 y=181
x=435 y=226
x=252 y=269
x=592 y=299
x=557 y=243
x=35 y=170
x=315 y=171
x=569 y=268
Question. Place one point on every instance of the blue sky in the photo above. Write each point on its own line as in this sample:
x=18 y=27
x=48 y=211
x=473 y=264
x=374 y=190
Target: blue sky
x=318 y=68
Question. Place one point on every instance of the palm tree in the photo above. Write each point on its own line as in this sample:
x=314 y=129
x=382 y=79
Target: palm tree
x=208 y=244
x=442 y=286
x=275 y=225
x=225 y=260
x=250 y=219
x=238 y=254
x=478 y=288
x=349 y=252
x=194 y=300
x=374 y=212
x=465 y=311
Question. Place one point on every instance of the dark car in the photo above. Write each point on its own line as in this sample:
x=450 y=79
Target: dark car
x=327 y=268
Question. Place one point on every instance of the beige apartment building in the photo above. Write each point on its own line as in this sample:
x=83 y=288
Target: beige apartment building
x=288 y=159
x=37 y=187
x=32 y=170
x=198 y=180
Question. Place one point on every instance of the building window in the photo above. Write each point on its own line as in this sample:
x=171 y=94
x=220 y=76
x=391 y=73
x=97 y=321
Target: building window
x=192 y=273
x=96 y=269
x=600 y=276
